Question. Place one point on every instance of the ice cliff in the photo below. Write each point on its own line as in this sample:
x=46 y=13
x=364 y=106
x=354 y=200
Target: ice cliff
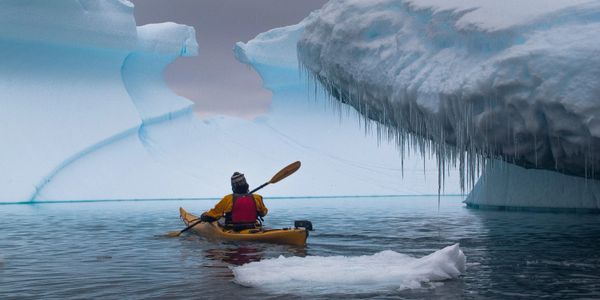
x=85 y=114
x=516 y=81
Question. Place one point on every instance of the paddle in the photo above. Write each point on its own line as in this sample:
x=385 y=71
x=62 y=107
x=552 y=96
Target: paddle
x=283 y=173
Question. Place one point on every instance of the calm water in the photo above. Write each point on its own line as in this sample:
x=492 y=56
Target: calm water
x=116 y=250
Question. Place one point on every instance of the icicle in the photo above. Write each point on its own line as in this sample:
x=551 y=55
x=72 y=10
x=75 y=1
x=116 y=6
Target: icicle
x=409 y=129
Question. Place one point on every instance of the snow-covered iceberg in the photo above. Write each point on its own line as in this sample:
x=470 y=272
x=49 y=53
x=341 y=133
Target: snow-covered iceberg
x=512 y=80
x=85 y=114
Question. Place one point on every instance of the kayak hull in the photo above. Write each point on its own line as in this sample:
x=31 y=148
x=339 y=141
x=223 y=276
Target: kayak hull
x=213 y=230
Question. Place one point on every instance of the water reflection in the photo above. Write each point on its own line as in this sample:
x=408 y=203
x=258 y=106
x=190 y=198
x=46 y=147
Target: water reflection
x=235 y=255
x=239 y=254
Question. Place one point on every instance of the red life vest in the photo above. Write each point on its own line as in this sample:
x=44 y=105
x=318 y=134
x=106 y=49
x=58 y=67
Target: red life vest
x=244 y=209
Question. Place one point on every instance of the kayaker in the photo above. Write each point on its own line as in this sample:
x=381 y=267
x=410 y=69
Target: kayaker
x=240 y=209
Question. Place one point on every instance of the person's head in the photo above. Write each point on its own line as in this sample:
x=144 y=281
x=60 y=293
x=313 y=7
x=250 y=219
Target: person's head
x=239 y=184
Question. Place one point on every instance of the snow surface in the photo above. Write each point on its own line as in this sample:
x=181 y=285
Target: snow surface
x=86 y=115
x=82 y=23
x=516 y=80
x=386 y=269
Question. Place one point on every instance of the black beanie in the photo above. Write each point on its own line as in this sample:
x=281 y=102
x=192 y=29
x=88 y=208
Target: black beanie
x=238 y=183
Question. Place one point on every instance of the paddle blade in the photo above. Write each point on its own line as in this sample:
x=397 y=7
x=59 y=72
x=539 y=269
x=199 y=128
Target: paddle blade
x=285 y=172
x=174 y=234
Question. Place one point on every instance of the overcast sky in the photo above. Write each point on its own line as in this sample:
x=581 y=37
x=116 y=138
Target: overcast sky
x=214 y=80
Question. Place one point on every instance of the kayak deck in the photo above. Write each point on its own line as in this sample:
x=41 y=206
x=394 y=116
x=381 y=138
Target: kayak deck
x=289 y=236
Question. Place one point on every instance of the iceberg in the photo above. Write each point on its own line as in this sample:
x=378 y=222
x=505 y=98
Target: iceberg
x=86 y=115
x=64 y=98
x=473 y=80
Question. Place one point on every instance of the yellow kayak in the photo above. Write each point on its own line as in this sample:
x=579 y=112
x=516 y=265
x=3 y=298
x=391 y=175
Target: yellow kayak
x=289 y=236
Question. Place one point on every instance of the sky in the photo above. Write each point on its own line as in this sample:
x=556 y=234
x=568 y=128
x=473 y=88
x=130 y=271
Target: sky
x=215 y=80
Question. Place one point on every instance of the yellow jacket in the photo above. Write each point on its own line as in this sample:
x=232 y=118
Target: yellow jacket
x=226 y=205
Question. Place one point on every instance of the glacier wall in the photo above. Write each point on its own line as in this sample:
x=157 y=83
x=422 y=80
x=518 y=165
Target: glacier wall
x=86 y=115
x=471 y=80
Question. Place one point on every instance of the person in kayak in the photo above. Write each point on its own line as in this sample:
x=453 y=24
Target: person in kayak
x=240 y=209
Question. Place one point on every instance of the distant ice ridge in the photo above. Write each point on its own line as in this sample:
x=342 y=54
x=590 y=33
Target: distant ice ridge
x=86 y=115
x=512 y=80
x=383 y=270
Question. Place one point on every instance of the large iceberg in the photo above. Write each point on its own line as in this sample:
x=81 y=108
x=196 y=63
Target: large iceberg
x=516 y=81
x=63 y=97
x=85 y=114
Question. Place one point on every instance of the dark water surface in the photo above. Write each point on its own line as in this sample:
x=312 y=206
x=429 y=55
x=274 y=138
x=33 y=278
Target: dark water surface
x=116 y=250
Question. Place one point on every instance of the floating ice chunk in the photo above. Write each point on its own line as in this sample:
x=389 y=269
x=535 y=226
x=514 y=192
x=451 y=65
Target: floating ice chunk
x=386 y=269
